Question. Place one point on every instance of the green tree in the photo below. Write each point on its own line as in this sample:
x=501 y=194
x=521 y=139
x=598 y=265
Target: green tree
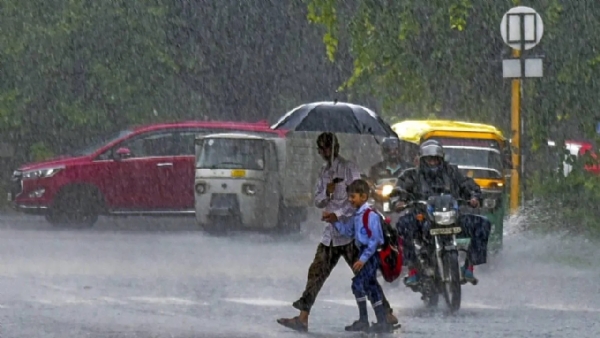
x=445 y=57
x=72 y=69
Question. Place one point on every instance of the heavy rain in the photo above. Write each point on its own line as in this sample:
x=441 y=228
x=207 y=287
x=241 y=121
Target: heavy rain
x=164 y=172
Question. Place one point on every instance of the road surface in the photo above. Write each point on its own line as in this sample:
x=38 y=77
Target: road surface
x=148 y=278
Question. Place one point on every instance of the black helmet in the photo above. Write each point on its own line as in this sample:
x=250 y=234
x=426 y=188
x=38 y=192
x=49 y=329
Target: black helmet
x=390 y=146
x=431 y=148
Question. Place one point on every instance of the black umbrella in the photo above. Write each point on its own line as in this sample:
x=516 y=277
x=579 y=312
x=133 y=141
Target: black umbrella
x=335 y=117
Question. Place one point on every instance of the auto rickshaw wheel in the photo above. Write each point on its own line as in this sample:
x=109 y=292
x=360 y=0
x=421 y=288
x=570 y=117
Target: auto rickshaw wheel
x=216 y=227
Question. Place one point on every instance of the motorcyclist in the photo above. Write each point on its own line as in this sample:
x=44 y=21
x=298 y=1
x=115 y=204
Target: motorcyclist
x=393 y=163
x=434 y=174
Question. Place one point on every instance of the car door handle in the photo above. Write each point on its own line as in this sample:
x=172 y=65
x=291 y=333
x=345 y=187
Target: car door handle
x=165 y=164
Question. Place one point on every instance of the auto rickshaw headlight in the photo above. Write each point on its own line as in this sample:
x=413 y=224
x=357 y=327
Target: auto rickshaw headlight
x=249 y=189
x=200 y=188
x=489 y=203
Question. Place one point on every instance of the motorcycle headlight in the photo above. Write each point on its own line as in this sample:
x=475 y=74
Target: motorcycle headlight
x=489 y=203
x=445 y=217
x=41 y=173
x=387 y=190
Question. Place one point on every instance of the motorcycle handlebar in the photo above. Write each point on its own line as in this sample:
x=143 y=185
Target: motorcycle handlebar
x=461 y=202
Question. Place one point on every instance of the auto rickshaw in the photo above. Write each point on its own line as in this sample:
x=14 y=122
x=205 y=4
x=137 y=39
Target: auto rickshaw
x=236 y=182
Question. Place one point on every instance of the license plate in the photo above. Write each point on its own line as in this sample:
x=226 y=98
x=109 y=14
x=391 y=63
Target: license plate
x=9 y=197
x=386 y=206
x=238 y=173
x=445 y=231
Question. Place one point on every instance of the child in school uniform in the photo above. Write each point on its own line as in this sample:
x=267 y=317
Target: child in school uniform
x=364 y=283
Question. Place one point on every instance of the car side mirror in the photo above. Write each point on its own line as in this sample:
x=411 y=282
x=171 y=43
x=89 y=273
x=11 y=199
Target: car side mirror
x=122 y=153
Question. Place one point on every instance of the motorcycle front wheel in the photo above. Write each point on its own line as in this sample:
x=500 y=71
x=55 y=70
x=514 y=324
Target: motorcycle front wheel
x=452 y=287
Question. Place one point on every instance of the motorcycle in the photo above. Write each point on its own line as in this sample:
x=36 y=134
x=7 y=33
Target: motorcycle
x=380 y=194
x=437 y=250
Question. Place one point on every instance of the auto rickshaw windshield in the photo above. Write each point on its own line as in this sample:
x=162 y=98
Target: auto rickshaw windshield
x=476 y=157
x=231 y=153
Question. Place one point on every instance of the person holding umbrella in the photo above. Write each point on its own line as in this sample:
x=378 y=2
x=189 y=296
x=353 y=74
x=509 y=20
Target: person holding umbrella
x=331 y=195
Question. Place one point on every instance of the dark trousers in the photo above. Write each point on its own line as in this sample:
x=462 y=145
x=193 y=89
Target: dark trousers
x=476 y=227
x=326 y=258
x=365 y=285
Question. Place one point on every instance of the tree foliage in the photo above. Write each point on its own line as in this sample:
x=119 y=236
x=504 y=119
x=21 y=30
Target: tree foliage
x=73 y=69
x=445 y=56
x=77 y=67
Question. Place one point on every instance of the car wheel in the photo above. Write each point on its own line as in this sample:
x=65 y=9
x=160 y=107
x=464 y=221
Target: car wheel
x=76 y=207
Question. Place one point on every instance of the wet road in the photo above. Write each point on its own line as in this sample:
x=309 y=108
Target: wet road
x=135 y=278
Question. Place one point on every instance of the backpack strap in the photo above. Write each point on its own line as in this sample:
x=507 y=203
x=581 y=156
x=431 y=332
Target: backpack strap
x=366 y=221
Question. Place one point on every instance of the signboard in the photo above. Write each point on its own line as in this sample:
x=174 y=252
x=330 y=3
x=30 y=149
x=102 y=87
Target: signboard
x=511 y=68
x=521 y=25
x=522 y=28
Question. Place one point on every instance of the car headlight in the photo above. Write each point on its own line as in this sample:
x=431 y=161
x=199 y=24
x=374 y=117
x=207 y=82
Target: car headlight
x=445 y=217
x=489 y=203
x=249 y=189
x=41 y=173
x=387 y=190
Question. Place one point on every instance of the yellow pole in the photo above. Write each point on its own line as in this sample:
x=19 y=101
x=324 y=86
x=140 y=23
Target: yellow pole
x=515 y=182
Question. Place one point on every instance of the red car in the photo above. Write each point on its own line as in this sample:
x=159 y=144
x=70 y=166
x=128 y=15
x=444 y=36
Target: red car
x=145 y=170
x=578 y=148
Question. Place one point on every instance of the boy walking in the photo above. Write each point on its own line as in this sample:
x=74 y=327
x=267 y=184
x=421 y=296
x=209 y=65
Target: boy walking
x=367 y=239
x=331 y=196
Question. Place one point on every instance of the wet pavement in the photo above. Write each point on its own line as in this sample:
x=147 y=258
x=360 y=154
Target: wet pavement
x=164 y=278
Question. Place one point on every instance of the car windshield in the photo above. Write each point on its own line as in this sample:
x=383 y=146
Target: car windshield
x=99 y=142
x=473 y=157
x=231 y=153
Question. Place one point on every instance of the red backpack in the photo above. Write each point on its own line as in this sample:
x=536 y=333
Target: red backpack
x=390 y=252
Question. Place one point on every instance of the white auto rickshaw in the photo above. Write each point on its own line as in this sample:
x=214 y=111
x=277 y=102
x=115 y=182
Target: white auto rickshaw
x=260 y=181
x=237 y=183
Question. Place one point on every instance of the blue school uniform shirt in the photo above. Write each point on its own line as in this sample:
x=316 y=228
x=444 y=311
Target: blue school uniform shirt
x=355 y=228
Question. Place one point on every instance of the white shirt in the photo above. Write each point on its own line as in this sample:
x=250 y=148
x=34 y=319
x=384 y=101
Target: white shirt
x=338 y=204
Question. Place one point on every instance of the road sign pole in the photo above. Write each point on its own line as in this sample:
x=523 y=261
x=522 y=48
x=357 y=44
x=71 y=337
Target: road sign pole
x=515 y=183
x=523 y=178
x=520 y=36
